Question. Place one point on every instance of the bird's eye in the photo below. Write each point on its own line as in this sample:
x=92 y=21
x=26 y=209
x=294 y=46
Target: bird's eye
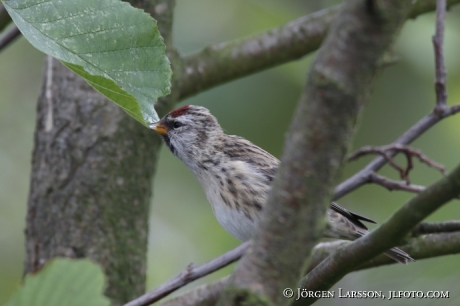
x=177 y=124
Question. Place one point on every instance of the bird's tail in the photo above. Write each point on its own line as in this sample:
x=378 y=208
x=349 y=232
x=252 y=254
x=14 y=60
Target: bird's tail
x=399 y=255
x=344 y=224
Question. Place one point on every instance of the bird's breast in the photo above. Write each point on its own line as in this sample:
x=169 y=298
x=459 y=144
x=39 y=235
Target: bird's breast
x=234 y=221
x=227 y=206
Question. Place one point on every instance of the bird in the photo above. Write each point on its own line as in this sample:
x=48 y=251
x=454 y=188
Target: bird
x=236 y=175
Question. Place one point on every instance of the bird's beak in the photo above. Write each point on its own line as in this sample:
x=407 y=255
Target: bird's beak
x=159 y=127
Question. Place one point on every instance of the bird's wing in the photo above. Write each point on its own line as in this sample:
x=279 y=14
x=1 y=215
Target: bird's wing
x=240 y=149
x=354 y=218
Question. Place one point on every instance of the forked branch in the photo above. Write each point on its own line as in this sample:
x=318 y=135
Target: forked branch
x=423 y=125
x=409 y=152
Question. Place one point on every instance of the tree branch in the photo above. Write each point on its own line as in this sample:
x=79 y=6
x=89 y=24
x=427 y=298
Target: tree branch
x=421 y=247
x=440 y=111
x=438 y=41
x=9 y=37
x=435 y=228
x=337 y=87
x=393 y=185
x=12 y=34
x=408 y=151
x=350 y=257
x=221 y=63
x=438 y=239
x=362 y=177
x=366 y=150
x=320 y=252
x=190 y=274
x=5 y=18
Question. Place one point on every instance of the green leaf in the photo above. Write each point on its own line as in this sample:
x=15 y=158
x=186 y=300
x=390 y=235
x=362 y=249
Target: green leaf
x=115 y=47
x=61 y=282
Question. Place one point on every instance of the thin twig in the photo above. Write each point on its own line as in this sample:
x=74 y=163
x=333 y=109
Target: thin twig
x=9 y=37
x=408 y=151
x=394 y=185
x=417 y=153
x=360 y=178
x=370 y=149
x=438 y=41
x=188 y=275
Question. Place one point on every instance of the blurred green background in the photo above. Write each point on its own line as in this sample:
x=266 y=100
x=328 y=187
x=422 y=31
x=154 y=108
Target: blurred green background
x=259 y=107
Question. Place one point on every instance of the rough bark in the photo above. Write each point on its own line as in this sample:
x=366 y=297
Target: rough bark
x=91 y=180
x=91 y=183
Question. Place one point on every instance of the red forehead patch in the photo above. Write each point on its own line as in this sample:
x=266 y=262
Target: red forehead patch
x=180 y=111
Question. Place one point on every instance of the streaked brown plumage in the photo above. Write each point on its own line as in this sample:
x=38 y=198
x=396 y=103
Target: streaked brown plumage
x=236 y=175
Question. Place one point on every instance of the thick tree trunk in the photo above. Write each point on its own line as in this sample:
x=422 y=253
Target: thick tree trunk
x=90 y=184
x=92 y=173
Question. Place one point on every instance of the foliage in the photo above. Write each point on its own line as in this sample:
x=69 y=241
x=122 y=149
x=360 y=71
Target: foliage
x=113 y=46
x=63 y=282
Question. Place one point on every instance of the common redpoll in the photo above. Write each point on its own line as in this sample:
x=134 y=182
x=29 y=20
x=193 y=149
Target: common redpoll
x=236 y=175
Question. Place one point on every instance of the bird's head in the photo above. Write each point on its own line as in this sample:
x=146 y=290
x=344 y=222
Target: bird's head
x=187 y=129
